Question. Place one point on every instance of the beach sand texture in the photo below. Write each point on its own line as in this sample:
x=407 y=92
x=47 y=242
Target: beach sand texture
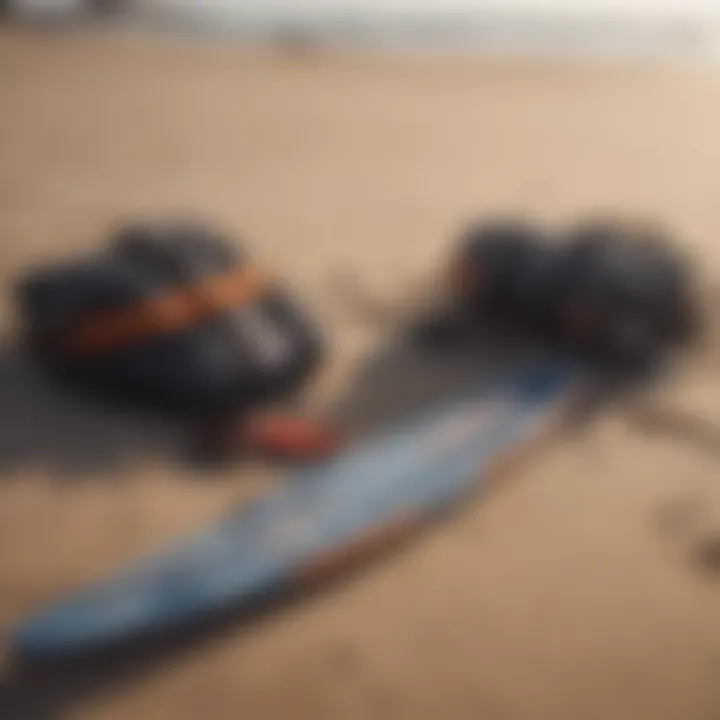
x=567 y=594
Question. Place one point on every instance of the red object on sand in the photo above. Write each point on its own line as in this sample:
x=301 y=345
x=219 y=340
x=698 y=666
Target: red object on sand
x=291 y=437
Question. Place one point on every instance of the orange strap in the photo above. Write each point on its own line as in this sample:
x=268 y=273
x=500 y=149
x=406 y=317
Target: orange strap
x=171 y=312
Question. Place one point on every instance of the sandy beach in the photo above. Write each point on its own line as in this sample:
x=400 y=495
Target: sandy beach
x=568 y=593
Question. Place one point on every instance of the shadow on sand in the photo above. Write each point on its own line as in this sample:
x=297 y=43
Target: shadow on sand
x=43 y=427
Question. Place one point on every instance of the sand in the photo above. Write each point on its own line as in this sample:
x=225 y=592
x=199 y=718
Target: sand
x=567 y=593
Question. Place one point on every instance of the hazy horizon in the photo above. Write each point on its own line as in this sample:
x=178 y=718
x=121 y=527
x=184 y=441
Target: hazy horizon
x=597 y=27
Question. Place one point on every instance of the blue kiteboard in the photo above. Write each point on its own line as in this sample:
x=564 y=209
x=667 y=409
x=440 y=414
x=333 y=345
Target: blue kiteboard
x=316 y=523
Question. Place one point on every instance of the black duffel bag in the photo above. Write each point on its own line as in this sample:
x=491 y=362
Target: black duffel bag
x=612 y=291
x=170 y=315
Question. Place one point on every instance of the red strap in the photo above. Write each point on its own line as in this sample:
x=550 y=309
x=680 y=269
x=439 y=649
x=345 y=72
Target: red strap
x=290 y=437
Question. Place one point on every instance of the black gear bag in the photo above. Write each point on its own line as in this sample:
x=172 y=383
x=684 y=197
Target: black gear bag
x=173 y=316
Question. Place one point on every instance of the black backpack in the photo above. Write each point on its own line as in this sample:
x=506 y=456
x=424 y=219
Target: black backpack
x=172 y=316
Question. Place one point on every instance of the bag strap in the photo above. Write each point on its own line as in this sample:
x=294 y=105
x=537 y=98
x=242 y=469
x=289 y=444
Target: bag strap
x=170 y=312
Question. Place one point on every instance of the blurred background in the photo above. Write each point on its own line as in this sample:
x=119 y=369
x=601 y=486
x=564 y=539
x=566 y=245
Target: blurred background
x=585 y=26
x=353 y=138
